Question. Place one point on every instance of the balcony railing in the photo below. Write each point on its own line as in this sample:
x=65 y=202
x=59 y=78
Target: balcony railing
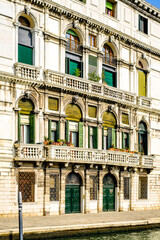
x=86 y=86
x=74 y=46
x=90 y=156
x=110 y=59
x=27 y=71
x=30 y=152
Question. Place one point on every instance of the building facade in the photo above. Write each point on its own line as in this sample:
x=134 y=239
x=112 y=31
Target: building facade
x=79 y=106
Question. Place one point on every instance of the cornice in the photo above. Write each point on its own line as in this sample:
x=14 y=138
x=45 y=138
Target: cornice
x=145 y=8
x=100 y=27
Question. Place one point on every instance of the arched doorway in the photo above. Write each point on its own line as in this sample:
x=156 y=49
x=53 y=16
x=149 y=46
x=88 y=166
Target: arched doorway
x=72 y=193
x=109 y=184
x=142 y=138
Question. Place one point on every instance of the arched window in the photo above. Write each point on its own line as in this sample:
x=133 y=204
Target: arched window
x=109 y=66
x=74 y=64
x=74 y=125
x=25 y=41
x=142 y=138
x=142 y=79
x=109 y=130
x=26 y=121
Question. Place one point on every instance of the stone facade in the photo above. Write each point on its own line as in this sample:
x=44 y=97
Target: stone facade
x=45 y=174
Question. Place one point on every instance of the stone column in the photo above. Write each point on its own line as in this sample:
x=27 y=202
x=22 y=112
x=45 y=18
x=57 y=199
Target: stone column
x=62 y=192
x=46 y=206
x=133 y=189
x=87 y=192
x=100 y=192
x=121 y=192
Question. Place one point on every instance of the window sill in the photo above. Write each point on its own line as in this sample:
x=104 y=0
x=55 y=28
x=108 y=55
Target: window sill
x=80 y=2
x=143 y=34
x=111 y=17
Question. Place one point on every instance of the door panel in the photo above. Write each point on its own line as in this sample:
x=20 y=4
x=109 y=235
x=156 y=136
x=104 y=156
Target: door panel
x=108 y=198
x=72 y=199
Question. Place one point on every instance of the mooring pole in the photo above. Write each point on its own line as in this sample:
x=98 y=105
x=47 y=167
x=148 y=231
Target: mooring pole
x=20 y=216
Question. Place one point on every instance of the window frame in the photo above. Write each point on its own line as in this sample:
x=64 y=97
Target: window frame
x=112 y=11
x=127 y=192
x=140 y=188
x=94 y=187
x=33 y=183
x=56 y=181
x=143 y=24
x=92 y=40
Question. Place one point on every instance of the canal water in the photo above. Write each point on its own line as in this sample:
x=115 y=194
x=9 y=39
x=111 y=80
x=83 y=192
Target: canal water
x=151 y=234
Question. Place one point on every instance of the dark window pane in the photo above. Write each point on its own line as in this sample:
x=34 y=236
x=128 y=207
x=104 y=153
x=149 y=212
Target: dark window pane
x=126 y=188
x=24 y=37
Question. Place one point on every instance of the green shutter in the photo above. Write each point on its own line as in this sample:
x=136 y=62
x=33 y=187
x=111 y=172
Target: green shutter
x=32 y=128
x=25 y=54
x=109 y=78
x=128 y=140
x=80 y=126
x=109 y=137
x=72 y=67
x=81 y=69
x=122 y=139
x=92 y=61
x=88 y=136
x=103 y=138
x=142 y=83
x=19 y=126
x=58 y=131
x=109 y=5
x=115 y=79
x=49 y=129
x=114 y=137
x=67 y=61
x=72 y=32
x=67 y=131
x=95 y=137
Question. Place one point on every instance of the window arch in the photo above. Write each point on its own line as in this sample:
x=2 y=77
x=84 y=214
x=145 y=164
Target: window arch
x=143 y=138
x=142 y=78
x=109 y=135
x=109 y=66
x=74 y=64
x=74 y=125
x=25 y=41
x=26 y=121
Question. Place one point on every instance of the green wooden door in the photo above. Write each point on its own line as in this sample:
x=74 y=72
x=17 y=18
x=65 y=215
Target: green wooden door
x=72 y=199
x=108 y=198
x=108 y=193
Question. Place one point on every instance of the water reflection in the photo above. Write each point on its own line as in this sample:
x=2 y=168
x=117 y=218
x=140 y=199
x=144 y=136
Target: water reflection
x=152 y=234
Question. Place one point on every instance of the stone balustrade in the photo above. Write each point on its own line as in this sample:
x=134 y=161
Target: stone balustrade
x=144 y=101
x=90 y=156
x=27 y=71
x=89 y=87
x=28 y=152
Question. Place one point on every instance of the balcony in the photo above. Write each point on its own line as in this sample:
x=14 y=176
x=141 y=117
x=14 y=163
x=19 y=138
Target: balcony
x=27 y=71
x=144 y=101
x=101 y=157
x=87 y=87
x=28 y=152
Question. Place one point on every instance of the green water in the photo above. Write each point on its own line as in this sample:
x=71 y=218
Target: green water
x=152 y=234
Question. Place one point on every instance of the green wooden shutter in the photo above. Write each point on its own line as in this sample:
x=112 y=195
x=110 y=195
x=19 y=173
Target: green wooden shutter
x=88 y=136
x=19 y=126
x=109 y=137
x=67 y=131
x=58 y=130
x=109 y=5
x=115 y=79
x=122 y=139
x=128 y=141
x=103 y=138
x=109 y=78
x=67 y=63
x=92 y=64
x=72 y=67
x=95 y=137
x=80 y=126
x=142 y=83
x=114 y=137
x=32 y=128
x=81 y=70
x=25 y=54
x=49 y=129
